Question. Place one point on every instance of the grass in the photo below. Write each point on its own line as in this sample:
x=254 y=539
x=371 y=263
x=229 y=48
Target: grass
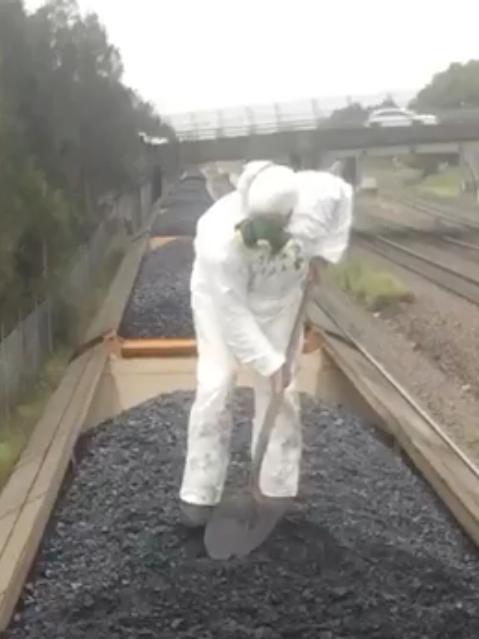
x=374 y=289
x=16 y=430
x=445 y=184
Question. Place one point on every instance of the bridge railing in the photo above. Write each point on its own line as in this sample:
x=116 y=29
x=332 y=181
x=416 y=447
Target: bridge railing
x=264 y=119
x=205 y=133
x=304 y=116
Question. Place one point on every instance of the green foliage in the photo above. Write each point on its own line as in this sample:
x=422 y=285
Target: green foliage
x=355 y=114
x=448 y=183
x=352 y=114
x=68 y=137
x=456 y=87
x=9 y=451
x=15 y=431
x=429 y=164
x=374 y=289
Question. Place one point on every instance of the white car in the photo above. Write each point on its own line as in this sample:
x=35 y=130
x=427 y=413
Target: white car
x=399 y=117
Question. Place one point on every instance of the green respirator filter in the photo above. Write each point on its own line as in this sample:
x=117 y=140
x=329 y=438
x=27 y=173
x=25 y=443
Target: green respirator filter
x=257 y=231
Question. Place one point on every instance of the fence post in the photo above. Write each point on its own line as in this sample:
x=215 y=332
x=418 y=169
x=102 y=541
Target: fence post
x=37 y=337
x=146 y=192
x=21 y=330
x=47 y=299
x=89 y=266
x=6 y=394
x=138 y=206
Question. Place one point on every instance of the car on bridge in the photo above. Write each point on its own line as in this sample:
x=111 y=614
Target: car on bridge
x=393 y=117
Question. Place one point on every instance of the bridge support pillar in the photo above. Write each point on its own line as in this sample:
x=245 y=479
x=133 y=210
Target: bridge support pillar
x=353 y=169
x=310 y=160
x=470 y=164
x=349 y=167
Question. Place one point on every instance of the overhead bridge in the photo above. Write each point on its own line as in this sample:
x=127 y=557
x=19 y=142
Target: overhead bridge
x=303 y=133
x=311 y=143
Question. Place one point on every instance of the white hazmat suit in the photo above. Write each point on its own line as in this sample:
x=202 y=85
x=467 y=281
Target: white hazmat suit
x=245 y=302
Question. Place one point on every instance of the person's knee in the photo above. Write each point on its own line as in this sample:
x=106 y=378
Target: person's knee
x=213 y=390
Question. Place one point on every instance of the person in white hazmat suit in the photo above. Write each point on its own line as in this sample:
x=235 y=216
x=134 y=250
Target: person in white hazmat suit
x=246 y=291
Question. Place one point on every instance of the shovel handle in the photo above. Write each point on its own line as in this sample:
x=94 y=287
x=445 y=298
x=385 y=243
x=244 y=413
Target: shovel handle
x=277 y=398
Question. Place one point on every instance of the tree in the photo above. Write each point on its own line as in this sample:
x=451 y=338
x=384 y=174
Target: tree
x=456 y=87
x=387 y=103
x=355 y=114
x=69 y=135
x=352 y=114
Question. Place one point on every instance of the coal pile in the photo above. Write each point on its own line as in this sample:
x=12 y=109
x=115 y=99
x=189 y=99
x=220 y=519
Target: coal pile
x=370 y=553
x=159 y=304
x=188 y=200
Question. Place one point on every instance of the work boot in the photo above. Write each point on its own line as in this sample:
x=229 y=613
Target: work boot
x=195 y=515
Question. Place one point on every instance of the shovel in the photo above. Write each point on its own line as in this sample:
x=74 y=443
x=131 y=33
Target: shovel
x=242 y=522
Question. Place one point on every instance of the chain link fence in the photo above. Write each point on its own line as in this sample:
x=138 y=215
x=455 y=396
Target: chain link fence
x=25 y=349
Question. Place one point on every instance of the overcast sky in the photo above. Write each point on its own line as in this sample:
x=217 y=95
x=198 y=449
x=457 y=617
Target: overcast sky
x=192 y=54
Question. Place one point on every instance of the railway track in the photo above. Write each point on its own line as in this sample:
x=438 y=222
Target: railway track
x=346 y=336
x=447 y=278
x=455 y=221
x=447 y=213
x=447 y=216
x=392 y=229
x=390 y=242
x=115 y=563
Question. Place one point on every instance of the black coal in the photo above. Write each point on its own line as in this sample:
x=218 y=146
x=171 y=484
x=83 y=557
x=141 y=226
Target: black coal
x=369 y=554
x=160 y=305
x=185 y=204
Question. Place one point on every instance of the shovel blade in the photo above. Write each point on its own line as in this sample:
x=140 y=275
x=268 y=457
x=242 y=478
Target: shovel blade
x=240 y=524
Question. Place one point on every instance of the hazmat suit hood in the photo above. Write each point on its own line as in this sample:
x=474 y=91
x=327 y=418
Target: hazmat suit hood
x=267 y=188
x=316 y=206
x=268 y=195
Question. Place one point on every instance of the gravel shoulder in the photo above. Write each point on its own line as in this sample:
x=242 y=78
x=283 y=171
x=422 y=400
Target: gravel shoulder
x=431 y=346
x=370 y=553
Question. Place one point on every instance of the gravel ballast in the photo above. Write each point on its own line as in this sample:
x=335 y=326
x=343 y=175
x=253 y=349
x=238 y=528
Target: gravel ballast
x=431 y=345
x=370 y=552
x=159 y=305
x=182 y=207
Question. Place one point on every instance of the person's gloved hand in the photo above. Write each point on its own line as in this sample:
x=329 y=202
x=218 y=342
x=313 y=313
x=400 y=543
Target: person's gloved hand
x=281 y=379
